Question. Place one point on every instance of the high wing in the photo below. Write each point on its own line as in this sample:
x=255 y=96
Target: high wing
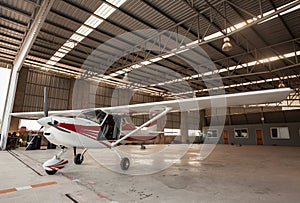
x=40 y=114
x=190 y=104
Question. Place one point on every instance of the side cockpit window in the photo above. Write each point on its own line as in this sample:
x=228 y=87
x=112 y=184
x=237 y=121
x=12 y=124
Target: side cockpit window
x=96 y=116
x=101 y=117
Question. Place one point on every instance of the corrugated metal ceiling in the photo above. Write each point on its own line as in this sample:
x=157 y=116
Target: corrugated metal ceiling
x=195 y=18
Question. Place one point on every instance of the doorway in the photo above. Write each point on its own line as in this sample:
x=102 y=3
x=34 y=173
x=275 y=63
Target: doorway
x=225 y=136
x=259 y=137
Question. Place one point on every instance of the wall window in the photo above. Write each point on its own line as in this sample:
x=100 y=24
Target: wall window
x=212 y=133
x=241 y=133
x=280 y=133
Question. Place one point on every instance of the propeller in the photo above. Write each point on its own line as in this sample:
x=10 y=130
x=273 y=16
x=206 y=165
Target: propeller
x=46 y=103
x=48 y=120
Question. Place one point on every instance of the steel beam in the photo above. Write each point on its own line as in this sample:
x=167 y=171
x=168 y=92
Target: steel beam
x=18 y=62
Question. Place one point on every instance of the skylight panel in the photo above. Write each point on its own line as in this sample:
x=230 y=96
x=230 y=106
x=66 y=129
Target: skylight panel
x=64 y=50
x=136 y=66
x=145 y=63
x=155 y=59
x=168 y=55
x=59 y=54
x=231 y=68
x=288 y=55
x=116 y=3
x=84 y=30
x=290 y=10
x=104 y=10
x=51 y=62
x=120 y=72
x=113 y=74
x=69 y=44
x=126 y=70
x=212 y=36
x=93 y=21
x=282 y=13
x=77 y=37
x=54 y=58
x=107 y=77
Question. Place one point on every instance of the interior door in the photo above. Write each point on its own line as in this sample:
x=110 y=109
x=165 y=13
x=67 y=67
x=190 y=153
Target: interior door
x=225 y=136
x=259 y=137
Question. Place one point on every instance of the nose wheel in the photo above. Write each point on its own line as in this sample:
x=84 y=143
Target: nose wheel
x=125 y=163
x=51 y=166
x=51 y=172
x=78 y=158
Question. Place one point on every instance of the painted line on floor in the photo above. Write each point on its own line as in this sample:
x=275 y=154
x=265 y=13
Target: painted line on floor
x=27 y=187
x=17 y=157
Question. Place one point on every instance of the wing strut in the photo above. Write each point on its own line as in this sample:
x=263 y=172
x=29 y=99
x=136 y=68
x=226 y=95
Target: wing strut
x=158 y=116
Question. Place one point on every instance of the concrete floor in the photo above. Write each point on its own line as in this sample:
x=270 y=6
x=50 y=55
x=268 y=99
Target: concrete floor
x=229 y=174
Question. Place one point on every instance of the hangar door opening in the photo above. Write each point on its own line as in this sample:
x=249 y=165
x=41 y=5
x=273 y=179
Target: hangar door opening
x=4 y=82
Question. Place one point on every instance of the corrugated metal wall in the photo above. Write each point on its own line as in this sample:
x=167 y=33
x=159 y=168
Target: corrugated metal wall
x=58 y=91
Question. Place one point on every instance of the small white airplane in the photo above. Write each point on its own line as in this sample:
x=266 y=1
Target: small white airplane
x=108 y=127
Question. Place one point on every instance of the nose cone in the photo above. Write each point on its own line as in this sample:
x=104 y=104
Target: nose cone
x=44 y=121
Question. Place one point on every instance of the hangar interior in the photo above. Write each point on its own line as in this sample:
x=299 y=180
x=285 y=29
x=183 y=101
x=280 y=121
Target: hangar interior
x=82 y=52
x=103 y=53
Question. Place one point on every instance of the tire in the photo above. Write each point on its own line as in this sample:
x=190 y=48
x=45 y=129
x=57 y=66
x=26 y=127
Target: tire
x=78 y=159
x=125 y=163
x=51 y=172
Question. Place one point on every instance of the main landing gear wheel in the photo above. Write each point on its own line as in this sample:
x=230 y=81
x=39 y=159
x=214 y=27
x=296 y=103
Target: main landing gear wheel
x=51 y=172
x=78 y=159
x=125 y=163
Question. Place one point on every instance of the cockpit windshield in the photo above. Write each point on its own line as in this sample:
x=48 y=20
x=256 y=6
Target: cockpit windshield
x=96 y=116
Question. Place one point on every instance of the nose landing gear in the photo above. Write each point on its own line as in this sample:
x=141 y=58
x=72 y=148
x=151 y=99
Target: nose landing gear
x=53 y=165
x=78 y=158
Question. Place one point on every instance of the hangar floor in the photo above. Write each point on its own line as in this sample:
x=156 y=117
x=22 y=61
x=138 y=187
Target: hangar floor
x=229 y=174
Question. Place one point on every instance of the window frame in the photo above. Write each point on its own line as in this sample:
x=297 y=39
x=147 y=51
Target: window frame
x=210 y=130
x=240 y=137
x=279 y=137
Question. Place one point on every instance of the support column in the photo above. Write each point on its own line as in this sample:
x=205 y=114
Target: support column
x=184 y=127
x=18 y=63
x=202 y=120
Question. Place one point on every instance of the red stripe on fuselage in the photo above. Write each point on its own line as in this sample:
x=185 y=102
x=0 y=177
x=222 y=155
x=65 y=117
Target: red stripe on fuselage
x=82 y=129
x=92 y=132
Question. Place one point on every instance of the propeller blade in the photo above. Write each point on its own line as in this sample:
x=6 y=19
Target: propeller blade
x=41 y=128
x=46 y=104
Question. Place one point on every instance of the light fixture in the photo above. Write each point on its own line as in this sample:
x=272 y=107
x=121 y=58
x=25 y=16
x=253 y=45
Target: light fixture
x=281 y=85
x=125 y=78
x=227 y=46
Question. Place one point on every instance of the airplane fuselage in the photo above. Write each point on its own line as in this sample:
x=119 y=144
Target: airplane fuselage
x=83 y=133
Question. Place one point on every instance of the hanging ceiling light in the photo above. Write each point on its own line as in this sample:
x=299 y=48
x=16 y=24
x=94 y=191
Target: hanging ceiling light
x=281 y=84
x=227 y=46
